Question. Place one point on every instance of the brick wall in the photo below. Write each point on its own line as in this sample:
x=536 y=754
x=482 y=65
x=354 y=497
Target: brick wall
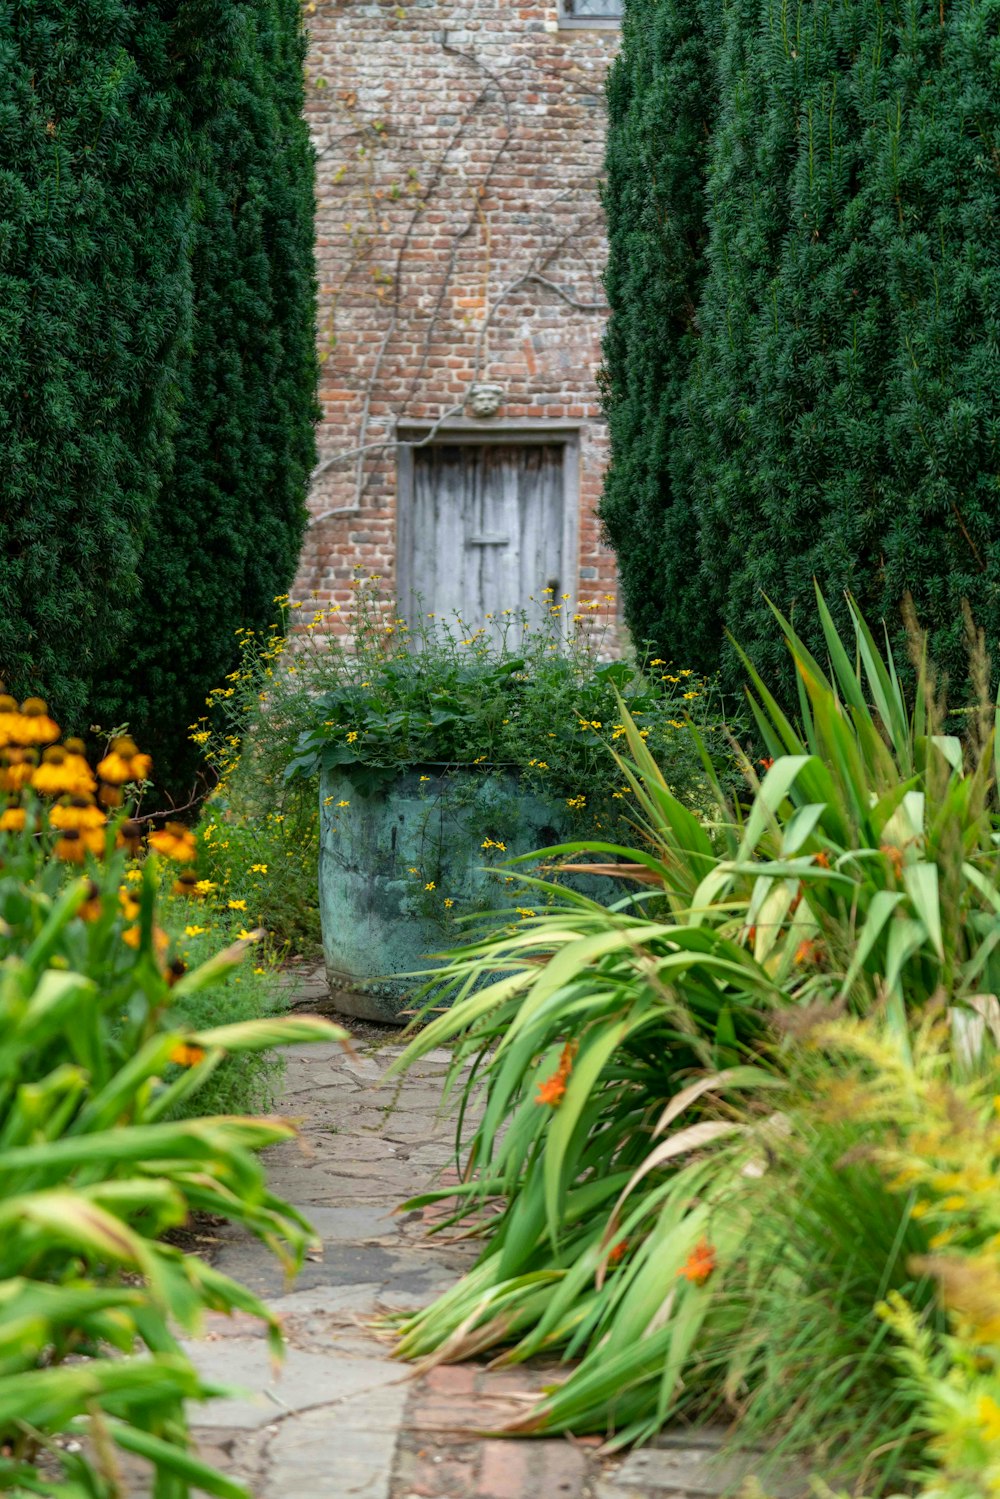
x=459 y=239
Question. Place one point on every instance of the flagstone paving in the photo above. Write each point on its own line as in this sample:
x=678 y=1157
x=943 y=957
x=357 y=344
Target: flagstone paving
x=339 y=1418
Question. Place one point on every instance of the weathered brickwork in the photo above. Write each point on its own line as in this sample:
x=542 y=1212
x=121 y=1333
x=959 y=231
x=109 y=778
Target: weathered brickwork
x=459 y=240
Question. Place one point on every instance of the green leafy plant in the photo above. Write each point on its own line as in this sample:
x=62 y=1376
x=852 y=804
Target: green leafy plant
x=632 y=1057
x=469 y=705
x=98 y=1058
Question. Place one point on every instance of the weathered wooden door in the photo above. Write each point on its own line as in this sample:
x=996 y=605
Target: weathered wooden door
x=486 y=529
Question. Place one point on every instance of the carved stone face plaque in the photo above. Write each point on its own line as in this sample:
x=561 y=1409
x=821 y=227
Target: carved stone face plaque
x=484 y=399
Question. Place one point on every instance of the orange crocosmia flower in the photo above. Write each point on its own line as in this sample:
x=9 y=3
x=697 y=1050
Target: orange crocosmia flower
x=187 y=1055
x=618 y=1252
x=699 y=1264
x=822 y=859
x=553 y=1090
x=895 y=857
x=808 y=951
x=766 y=762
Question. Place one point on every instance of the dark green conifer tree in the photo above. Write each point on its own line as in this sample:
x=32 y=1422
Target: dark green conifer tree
x=662 y=107
x=843 y=403
x=229 y=521
x=94 y=301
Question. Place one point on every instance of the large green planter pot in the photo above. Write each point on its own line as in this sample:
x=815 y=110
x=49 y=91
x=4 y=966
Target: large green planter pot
x=378 y=853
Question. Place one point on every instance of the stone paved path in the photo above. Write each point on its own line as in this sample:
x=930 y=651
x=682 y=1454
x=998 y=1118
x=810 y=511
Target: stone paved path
x=339 y=1419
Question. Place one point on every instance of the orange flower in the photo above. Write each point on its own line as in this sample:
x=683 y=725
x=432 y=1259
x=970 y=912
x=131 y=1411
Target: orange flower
x=185 y=1054
x=59 y=773
x=129 y=835
x=175 y=841
x=12 y=820
x=76 y=812
x=132 y=934
x=10 y=720
x=809 y=951
x=766 y=762
x=124 y=763
x=73 y=845
x=130 y=907
x=618 y=1252
x=895 y=857
x=36 y=726
x=553 y=1090
x=822 y=859
x=17 y=766
x=699 y=1264
x=92 y=907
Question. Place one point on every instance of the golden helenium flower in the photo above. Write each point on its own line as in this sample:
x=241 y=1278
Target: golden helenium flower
x=36 y=726
x=175 y=841
x=73 y=845
x=124 y=763
x=17 y=766
x=77 y=812
x=59 y=773
x=12 y=819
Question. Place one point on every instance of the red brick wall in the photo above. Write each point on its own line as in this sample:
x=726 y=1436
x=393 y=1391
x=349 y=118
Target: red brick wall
x=460 y=152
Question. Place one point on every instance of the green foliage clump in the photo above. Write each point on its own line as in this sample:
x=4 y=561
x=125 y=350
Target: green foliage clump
x=833 y=408
x=741 y=1124
x=110 y=1044
x=94 y=310
x=229 y=519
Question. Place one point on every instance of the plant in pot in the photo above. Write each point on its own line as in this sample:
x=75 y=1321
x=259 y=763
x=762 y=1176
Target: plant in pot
x=442 y=751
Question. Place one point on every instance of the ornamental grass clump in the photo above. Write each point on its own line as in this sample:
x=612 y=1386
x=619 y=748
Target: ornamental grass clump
x=97 y=1059
x=639 y=1064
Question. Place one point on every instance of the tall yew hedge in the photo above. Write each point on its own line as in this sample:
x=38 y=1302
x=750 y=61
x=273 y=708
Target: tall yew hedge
x=229 y=520
x=803 y=358
x=157 y=365
x=94 y=309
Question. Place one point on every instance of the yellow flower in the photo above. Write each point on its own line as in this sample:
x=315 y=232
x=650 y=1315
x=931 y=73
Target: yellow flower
x=78 y=812
x=124 y=763
x=185 y=1054
x=657 y=661
x=244 y=936
x=425 y=778
x=36 y=727
x=448 y=902
x=258 y=869
x=988 y=1412
x=237 y=905
x=430 y=885
x=352 y=736
x=12 y=820
x=194 y=930
x=259 y=971
x=343 y=804
x=524 y=912
x=175 y=841
x=205 y=887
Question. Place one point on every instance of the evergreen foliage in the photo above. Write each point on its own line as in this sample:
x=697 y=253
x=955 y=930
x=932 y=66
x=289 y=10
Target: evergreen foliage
x=94 y=298
x=839 y=415
x=229 y=521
